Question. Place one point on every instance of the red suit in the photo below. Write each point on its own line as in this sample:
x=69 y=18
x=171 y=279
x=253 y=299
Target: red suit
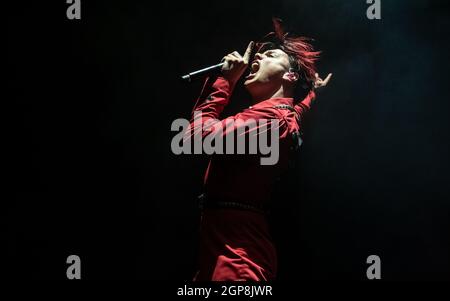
x=235 y=244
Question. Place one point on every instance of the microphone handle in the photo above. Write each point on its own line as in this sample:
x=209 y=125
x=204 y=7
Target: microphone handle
x=189 y=76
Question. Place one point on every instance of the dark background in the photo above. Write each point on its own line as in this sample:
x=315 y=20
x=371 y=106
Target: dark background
x=89 y=108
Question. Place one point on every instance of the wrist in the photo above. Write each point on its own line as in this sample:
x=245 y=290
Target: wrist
x=230 y=84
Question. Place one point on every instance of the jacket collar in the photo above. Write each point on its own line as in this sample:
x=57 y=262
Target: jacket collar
x=273 y=102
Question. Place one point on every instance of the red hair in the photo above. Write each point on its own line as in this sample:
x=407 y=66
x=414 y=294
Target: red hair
x=302 y=55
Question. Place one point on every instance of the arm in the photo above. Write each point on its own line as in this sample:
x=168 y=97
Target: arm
x=217 y=91
x=305 y=105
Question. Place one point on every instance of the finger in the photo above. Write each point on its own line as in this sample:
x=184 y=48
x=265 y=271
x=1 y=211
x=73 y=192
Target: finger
x=231 y=57
x=317 y=75
x=227 y=58
x=236 y=54
x=248 y=52
x=327 y=79
x=232 y=60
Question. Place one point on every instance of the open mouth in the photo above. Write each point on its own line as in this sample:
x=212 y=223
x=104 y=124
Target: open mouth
x=253 y=69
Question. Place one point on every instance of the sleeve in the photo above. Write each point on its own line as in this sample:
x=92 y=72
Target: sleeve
x=305 y=105
x=206 y=120
x=214 y=97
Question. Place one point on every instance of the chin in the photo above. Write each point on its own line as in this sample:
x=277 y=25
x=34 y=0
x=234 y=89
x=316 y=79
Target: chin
x=249 y=85
x=250 y=82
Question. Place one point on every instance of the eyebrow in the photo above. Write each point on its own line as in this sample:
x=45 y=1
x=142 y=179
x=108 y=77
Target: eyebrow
x=271 y=51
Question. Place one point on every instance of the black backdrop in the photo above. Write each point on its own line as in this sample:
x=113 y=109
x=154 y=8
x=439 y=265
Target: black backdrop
x=89 y=108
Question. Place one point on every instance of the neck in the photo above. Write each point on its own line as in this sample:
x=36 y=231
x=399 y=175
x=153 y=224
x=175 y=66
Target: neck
x=280 y=92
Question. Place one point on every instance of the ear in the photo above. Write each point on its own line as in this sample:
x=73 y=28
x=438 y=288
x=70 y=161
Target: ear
x=291 y=76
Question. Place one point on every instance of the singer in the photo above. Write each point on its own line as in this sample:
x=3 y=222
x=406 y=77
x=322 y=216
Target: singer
x=235 y=242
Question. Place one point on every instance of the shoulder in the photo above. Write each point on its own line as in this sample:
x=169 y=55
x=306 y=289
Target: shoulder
x=258 y=112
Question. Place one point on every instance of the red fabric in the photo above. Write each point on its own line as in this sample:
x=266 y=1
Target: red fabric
x=235 y=244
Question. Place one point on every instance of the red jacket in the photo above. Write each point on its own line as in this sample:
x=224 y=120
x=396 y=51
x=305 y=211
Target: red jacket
x=236 y=244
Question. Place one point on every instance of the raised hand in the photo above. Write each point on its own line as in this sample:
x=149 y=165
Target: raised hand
x=235 y=64
x=319 y=83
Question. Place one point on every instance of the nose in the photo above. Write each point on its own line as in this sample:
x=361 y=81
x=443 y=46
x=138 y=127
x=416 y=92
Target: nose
x=258 y=56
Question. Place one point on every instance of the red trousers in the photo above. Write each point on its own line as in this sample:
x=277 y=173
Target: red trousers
x=235 y=245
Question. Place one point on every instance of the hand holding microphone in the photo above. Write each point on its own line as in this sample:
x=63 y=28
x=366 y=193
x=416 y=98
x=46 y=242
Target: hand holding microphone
x=232 y=66
x=235 y=65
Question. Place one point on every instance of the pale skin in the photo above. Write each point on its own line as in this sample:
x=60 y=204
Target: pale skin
x=270 y=77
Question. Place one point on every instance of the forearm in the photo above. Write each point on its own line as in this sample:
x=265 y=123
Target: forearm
x=214 y=97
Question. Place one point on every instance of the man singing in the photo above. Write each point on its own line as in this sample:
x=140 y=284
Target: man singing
x=235 y=241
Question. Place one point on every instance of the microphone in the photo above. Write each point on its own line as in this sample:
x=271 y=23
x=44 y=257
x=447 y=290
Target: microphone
x=206 y=70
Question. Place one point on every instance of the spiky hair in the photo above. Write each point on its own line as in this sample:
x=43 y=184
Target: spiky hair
x=302 y=55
